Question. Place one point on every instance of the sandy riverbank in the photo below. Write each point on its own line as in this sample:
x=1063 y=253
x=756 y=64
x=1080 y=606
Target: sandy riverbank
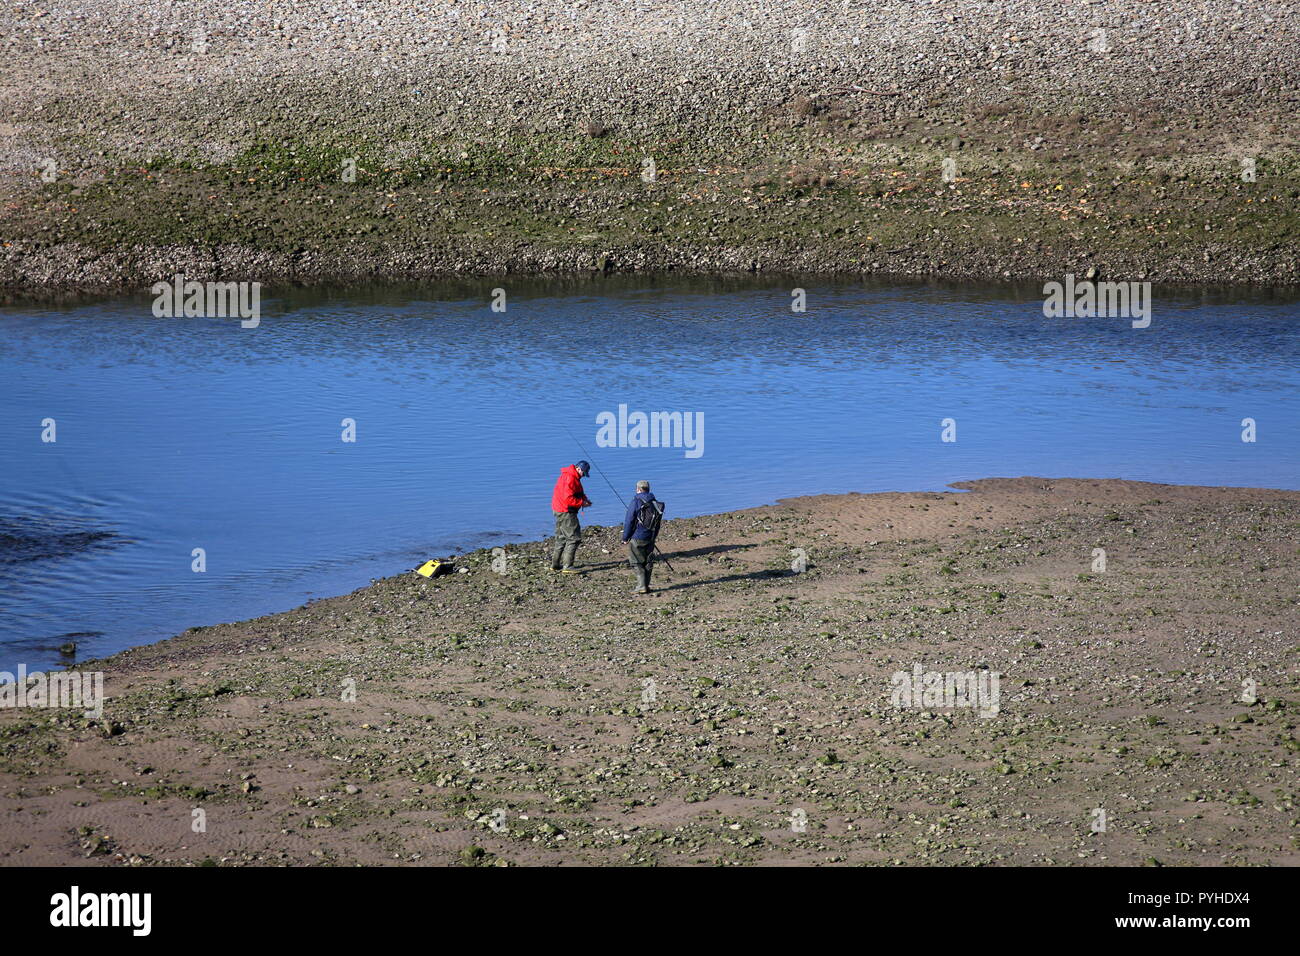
x=505 y=719
x=513 y=137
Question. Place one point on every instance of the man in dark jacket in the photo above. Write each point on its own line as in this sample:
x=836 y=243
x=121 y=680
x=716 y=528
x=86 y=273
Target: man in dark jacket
x=566 y=500
x=640 y=537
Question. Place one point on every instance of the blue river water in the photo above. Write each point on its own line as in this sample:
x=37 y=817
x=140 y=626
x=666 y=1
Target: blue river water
x=179 y=434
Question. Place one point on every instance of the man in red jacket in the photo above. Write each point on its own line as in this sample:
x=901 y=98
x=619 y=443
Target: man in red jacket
x=566 y=501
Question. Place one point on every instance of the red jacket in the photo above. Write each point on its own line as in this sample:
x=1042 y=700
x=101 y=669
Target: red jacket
x=568 y=491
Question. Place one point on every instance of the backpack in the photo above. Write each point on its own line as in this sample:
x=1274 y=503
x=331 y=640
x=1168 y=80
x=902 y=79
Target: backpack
x=435 y=567
x=648 y=516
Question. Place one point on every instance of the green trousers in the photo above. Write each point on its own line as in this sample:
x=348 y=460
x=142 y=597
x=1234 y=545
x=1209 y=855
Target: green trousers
x=568 y=535
x=641 y=555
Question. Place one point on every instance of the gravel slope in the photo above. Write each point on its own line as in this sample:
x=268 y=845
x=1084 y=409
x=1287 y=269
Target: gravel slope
x=1156 y=88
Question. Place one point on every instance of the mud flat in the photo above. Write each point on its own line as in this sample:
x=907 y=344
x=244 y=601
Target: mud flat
x=742 y=714
x=966 y=139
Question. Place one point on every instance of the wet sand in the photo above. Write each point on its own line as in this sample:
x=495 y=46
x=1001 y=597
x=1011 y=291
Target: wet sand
x=742 y=714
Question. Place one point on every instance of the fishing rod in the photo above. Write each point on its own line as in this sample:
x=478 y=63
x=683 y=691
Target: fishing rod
x=592 y=461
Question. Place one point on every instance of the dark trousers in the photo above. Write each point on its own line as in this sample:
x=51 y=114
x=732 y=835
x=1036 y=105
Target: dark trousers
x=641 y=555
x=568 y=535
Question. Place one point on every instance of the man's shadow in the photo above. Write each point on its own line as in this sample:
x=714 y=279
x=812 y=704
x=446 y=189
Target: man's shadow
x=703 y=552
x=669 y=556
x=767 y=575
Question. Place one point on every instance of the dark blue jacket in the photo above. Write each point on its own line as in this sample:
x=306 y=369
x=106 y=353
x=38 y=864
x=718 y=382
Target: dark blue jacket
x=630 y=528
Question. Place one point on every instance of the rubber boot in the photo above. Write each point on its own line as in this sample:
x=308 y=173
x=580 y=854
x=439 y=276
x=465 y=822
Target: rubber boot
x=570 y=555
